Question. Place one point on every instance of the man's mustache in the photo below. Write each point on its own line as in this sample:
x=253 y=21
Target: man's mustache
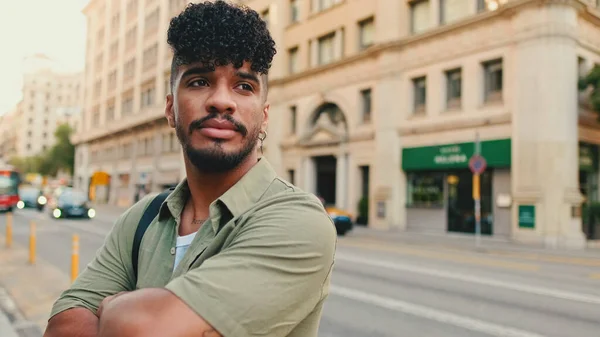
x=197 y=124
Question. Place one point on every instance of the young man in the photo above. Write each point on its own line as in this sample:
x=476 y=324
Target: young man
x=234 y=251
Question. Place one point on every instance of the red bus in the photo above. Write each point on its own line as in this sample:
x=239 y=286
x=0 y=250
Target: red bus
x=9 y=189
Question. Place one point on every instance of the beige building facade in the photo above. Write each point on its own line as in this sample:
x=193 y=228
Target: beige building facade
x=380 y=103
x=50 y=97
x=9 y=124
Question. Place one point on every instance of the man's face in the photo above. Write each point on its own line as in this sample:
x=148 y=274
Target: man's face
x=218 y=114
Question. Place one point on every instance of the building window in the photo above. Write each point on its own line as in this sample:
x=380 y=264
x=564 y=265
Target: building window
x=293 y=119
x=488 y=5
x=148 y=97
x=453 y=88
x=293 y=60
x=127 y=106
x=132 y=8
x=150 y=56
x=294 y=11
x=114 y=50
x=291 y=176
x=115 y=23
x=420 y=94
x=420 y=16
x=367 y=33
x=365 y=96
x=321 y=5
x=151 y=22
x=425 y=189
x=129 y=69
x=96 y=118
x=453 y=10
x=493 y=80
x=131 y=38
x=112 y=80
x=581 y=66
x=326 y=49
x=110 y=113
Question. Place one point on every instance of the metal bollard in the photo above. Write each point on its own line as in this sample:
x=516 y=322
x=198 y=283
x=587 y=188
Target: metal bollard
x=75 y=258
x=32 y=242
x=9 y=230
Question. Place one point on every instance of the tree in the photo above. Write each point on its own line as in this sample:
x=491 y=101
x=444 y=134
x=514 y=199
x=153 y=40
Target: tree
x=591 y=82
x=62 y=154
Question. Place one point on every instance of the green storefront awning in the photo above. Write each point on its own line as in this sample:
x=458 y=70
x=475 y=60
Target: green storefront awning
x=497 y=154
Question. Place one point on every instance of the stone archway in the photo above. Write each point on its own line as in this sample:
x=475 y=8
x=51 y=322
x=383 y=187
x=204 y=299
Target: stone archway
x=327 y=125
x=325 y=135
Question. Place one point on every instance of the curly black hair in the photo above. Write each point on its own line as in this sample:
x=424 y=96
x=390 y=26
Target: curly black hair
x=220 y=33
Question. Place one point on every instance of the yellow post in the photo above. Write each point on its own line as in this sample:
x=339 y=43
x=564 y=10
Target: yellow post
x=32 y=242
x=476 y=187
x=9 y=230
x=75 y=258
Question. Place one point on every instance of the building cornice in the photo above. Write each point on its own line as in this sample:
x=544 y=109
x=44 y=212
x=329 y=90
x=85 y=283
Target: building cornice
x=144 y=119
x=463 y=123
x=87 y=7
x=507 y=10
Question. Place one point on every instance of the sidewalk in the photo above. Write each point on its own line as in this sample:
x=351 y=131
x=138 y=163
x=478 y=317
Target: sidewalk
x=33 y=288
x=467 y=242
x=6 y=328
x=12 y=322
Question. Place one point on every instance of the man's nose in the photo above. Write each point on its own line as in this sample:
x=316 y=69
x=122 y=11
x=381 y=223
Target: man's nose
x=221 y=100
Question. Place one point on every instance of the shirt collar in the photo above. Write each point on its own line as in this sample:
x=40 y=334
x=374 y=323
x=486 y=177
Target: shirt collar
x=240 y=197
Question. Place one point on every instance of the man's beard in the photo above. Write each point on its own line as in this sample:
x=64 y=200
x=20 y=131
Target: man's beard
x=214 y=159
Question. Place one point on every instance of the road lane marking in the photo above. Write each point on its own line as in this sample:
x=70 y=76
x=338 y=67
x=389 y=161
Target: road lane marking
x=595 y=276
x=83 y=227
x=447 y=256
x=543 y=291
x=522 y=255
x=431 y=313
x=581 y=261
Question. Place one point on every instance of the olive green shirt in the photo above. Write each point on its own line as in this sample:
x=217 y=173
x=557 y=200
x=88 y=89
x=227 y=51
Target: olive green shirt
x=259 y=266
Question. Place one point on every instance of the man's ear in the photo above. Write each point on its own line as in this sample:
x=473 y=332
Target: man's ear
x=265 y=121
x=170 y=111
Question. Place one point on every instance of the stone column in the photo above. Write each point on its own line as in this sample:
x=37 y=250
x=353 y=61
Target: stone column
x=133 y=176
x=156 y=156
x=545 y=131
x=341 y=183
x=386 y=180
x=308 y=173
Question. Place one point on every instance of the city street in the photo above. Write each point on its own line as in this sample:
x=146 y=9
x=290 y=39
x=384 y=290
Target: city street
x=393 y=288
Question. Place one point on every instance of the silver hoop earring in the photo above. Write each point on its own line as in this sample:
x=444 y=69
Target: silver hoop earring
x=262 y=135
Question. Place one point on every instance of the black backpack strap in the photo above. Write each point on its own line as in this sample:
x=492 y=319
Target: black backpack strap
x=145 y=221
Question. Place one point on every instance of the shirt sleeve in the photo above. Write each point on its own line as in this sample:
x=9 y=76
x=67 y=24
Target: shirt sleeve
x=109 y=272
x=272 y=275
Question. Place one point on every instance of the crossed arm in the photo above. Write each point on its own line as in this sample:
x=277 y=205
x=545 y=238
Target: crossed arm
x=266 y=281
x=147 y=312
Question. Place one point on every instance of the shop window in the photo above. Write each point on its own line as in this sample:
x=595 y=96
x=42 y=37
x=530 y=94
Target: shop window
x=425 y=189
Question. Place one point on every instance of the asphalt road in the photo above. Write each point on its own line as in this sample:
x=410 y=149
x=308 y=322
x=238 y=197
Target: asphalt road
x=382 y=288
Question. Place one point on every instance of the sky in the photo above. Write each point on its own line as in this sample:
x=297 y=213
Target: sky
x=55 y=28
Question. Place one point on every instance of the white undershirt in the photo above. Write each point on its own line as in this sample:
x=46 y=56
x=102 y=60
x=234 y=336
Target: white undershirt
x=183 y=243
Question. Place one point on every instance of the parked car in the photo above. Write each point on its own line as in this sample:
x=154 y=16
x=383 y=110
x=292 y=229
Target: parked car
x=342 y=219
x=72 y=203
x=31 y=197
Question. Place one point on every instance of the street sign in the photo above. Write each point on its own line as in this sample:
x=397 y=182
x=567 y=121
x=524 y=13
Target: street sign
x=477 y=164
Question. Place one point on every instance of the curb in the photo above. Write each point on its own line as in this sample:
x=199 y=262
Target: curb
x=18 y=325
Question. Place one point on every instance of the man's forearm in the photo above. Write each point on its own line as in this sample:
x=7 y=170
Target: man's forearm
x=76 y=322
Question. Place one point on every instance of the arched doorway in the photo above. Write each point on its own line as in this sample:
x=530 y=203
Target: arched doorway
x=326 y=134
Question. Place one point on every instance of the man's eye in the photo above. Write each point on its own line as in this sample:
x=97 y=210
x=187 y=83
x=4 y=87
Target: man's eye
x=246 y=86
x=198 y=83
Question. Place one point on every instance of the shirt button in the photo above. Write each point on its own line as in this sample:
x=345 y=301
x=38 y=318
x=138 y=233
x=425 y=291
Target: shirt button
x=172 y=250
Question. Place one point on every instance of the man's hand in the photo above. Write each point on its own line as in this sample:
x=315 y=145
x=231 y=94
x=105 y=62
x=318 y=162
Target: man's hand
x=106 y=301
